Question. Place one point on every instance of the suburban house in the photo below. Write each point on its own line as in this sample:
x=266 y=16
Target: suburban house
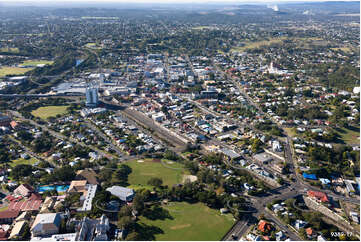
x=264 y=226
x=318 y=196
x=300 y=224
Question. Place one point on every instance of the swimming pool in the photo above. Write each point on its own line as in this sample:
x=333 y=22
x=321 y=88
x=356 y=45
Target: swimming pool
x=58 y=188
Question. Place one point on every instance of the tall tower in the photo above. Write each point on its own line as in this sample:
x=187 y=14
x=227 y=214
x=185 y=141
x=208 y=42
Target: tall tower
x=92 y=98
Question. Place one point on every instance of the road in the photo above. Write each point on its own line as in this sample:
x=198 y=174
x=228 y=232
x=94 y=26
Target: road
x=105 y=137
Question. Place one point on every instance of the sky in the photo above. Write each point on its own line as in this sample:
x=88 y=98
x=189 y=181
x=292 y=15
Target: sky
x=170 y=1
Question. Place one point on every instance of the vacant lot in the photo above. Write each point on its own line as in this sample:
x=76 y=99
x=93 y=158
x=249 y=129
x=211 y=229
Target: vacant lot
x=184 y=221
x=170 y=172
x=257 y=44
x=350 y=136
x=37 y=62
x=49 y=111
x=92 y=46
x=9 y=70
x=9 y=50
x=22 y=161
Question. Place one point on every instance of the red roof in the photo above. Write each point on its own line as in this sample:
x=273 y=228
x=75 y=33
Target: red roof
x=4 y=234
x=264 y=226
x=13 y=124
x=9 y=214
x=35 y=196
x=309 y=231
x=321 y=196
x=33 y=203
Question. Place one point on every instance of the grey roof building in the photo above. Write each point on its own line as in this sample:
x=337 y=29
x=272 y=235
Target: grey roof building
x=123 y=193
x=230 y=153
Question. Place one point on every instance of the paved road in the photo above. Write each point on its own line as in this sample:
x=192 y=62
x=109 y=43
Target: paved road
x=105 y=137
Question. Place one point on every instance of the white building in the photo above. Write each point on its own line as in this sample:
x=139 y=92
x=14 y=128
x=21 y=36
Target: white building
x=276 y=146
x=46 y=224
x=92 y=99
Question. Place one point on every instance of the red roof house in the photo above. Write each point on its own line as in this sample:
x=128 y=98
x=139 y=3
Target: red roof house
x=319 y=196
x=264 y=226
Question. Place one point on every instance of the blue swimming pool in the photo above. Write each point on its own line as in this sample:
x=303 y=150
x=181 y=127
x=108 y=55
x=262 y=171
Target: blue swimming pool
x=59 y=188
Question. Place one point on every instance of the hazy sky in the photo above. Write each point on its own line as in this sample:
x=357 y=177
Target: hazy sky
x=168 y=1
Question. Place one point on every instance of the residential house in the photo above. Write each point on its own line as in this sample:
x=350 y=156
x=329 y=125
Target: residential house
x=310 y=232
x=300 y=224
x=264 y=226
x=318 y=196
x=252 y=237
x=280 y=236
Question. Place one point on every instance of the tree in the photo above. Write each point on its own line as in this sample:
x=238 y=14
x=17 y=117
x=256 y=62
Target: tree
x=138 y=203
x=170 y=155
x=125 y=211
x=133 y=236
x=21 y=171
x=256 y=143
x=302 y=233
x=155 y=181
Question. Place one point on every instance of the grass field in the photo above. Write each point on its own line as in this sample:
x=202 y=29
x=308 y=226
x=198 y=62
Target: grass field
x=92 y=46
x=344 y=49
x=22 y=161
x=257 y=44
x=184 y=221
x=9 y=70
x=9 y=50
x=202 y=27
x=291 y=131
x=350 y=136
x=49 y=111
x=37 y=62
x=143 y=171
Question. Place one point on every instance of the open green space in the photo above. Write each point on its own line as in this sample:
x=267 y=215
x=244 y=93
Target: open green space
x=350 y=136
x=92 y=46
x=169 y=171
x=291 y=131
x=22 y=161
x=185 y=221
x=49 y=111
x=9 y=50
x=37 y=62
x=202 y=27
x=257 y=44
x=10 y=70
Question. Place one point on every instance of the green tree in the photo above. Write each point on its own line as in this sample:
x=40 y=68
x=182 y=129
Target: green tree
x=155 y=181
